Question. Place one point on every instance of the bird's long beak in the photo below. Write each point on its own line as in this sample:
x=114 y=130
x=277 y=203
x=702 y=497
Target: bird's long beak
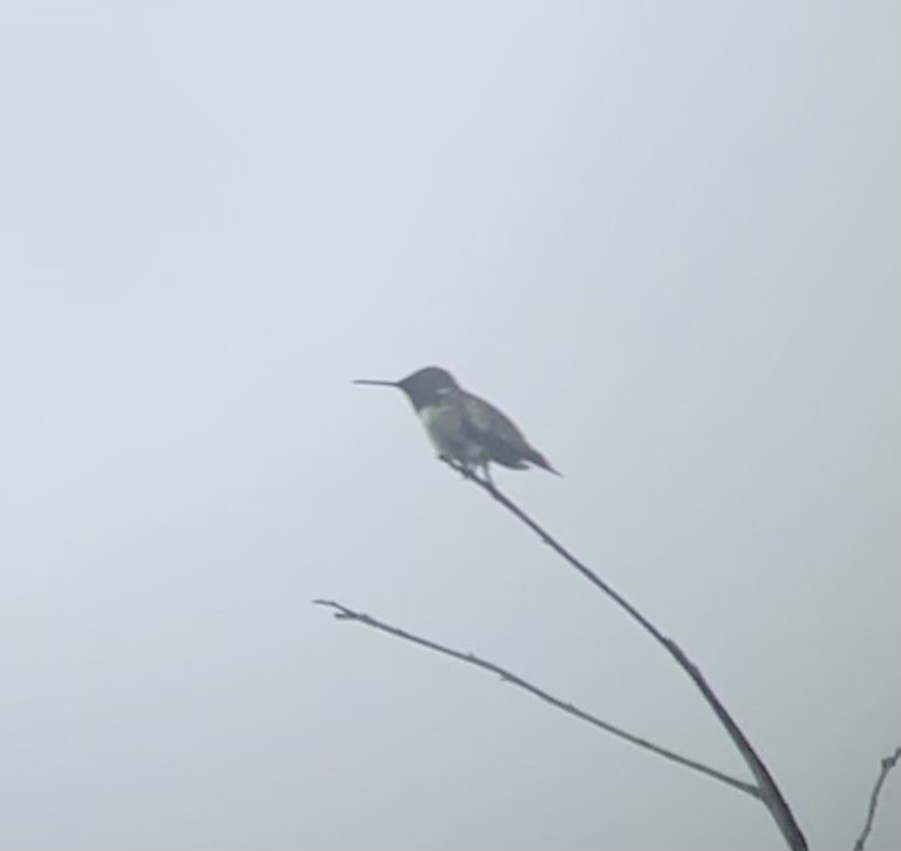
x=376 y=383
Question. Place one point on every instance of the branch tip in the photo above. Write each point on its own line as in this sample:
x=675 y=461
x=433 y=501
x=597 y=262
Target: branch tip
x=887 y=764
x=569 y=708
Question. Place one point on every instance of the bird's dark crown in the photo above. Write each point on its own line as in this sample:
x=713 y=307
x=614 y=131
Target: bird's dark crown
x=426 y=386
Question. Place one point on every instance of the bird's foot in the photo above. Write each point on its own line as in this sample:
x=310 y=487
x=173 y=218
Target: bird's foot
x=454 y=464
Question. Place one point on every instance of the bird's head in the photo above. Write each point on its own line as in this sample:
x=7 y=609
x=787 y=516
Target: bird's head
x=424 y=387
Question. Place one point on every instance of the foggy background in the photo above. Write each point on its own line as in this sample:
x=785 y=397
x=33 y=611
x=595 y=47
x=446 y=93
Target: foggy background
x=663 y=237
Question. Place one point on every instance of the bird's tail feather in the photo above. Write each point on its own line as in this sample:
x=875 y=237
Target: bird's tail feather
x=540 y=461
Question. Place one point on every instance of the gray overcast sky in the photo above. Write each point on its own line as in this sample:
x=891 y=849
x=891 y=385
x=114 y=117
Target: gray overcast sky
x=663 y=236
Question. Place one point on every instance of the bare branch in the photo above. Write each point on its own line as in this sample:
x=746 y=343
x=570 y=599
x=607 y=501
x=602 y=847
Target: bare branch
x=344 y=613
x=887 y=765
x=771 y=796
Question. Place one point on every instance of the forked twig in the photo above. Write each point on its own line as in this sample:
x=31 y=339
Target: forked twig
x=770 y=794
x=344 y=613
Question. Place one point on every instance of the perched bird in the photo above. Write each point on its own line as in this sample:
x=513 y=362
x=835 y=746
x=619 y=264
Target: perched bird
x=465 y=429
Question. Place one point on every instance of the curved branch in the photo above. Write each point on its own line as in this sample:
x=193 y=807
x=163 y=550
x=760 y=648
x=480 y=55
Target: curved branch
x=887 y=765
x=771 y=796
x=344 y=613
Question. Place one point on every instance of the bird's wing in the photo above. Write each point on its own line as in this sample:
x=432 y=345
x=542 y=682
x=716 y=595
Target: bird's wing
x=502 y=440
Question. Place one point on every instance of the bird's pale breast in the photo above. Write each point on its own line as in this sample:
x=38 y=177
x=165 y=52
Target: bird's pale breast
x=445 y=425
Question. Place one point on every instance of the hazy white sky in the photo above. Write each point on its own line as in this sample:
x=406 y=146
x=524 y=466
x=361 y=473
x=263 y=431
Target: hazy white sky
x=663 y=236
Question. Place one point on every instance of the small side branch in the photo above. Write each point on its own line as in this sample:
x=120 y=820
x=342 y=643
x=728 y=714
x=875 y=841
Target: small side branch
x=770 y=794
x=344 y=613
x=887 y=765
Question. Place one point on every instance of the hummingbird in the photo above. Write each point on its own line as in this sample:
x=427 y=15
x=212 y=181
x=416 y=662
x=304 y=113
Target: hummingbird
x=465 y=429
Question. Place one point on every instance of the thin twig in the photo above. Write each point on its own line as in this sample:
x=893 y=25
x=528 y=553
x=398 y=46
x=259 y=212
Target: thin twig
x=772 y=798
x=887 y=765
x=344 y=613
